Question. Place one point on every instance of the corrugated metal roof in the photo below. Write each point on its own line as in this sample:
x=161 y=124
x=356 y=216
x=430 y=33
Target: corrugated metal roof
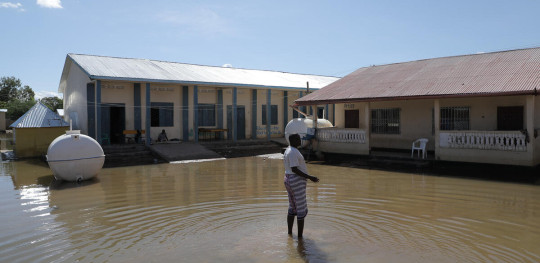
x=488 y=74
x=39 y=116
x=144 y=70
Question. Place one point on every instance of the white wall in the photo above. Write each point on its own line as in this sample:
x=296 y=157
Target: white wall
x=75 y=97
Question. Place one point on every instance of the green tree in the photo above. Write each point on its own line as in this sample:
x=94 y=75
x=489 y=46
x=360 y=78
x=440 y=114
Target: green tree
x=25 y=94
x=17 y=108
x=14 y=97
x=9 y=87
x=53 y=103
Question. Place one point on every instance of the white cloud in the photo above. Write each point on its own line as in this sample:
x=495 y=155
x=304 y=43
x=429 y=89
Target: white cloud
x=50 y=3
x=42 y=94
x=11 y=5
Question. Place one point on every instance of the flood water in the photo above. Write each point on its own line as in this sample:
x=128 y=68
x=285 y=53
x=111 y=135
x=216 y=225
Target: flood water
x=235 y=211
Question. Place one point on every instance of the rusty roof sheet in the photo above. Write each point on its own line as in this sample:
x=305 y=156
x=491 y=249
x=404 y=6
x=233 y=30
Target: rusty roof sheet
x=487 y=74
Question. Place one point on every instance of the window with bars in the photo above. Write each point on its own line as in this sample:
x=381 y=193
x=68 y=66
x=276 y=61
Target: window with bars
x=385 y=121
x=273 y=114
x=207 y=114
x=162 y=114
x=455 y=118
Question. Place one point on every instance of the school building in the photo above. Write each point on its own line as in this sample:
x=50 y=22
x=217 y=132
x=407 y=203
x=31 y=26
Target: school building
x=109 y=98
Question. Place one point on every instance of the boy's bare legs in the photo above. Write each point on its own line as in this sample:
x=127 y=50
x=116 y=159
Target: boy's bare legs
x=290 y=222
x=300 y=227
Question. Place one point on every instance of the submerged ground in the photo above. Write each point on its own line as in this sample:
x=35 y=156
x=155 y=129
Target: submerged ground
x=235 y=210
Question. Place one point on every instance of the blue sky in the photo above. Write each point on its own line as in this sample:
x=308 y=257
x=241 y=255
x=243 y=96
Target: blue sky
x=330 y=38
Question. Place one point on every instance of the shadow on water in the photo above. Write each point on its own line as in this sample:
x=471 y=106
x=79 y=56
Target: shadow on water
x=475 y=171
x=61 y=185
x=46 y=180
x=309 y=251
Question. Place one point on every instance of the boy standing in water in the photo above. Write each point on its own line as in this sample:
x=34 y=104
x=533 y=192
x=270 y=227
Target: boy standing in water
x=295 y=183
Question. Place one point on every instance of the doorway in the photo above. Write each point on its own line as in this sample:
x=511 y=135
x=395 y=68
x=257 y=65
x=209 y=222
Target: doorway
x=113 y=123
x=352 y=119
x=240 y=122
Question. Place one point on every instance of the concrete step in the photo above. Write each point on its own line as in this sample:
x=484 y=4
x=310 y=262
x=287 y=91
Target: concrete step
x=119 y=161
x=248 y=150
x=110 y=149
x=128 y=155
x=245 y=147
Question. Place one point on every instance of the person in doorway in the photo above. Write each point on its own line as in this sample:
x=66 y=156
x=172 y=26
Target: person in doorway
x=162 y=136
x=138 y=136
x=295 y=182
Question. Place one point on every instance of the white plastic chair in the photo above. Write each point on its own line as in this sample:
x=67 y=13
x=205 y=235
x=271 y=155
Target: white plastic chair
x=420 y=145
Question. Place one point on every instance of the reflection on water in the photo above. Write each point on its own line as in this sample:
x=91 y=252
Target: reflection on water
x=6 y=141
x=235 y=210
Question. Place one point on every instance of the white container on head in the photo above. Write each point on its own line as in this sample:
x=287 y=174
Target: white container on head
x=304 y=128
x=75 y=157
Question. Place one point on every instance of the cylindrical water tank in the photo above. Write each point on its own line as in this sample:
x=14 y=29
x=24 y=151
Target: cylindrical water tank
x=304 y=128
x=75 y=157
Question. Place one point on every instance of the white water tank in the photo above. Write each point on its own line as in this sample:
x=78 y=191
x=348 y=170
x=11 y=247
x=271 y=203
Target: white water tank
x=75 y=157
x=304 y=128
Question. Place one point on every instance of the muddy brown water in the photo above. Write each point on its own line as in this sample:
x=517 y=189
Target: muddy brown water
x=234 y=210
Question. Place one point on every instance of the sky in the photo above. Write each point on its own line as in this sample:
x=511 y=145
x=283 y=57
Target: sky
x=330 y=38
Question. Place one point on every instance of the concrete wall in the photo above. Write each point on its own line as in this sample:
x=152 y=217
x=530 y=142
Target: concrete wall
x=166 y=93
x=483 y=111
x=483 y=117
x=416 y=117
x=416 y=122
x=345 y=148
x=2 y=121
x=276 y=99
x=243 y=98
x=34 y=142
x=75 y=104
x=75 y=107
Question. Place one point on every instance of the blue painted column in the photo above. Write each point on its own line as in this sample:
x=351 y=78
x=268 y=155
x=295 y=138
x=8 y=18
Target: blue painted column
x=137 y=106
x=234 y=116
x=285 y=109
x=326 y=112
x=196 y=113
x=91 y=109
x=185 y=113
x=220 y=111
x=254 y=114
x=148 y=115
x=98 y=111
x=268 y=114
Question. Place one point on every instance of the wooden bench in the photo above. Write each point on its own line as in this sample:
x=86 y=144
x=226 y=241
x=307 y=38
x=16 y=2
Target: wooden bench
x=210 y=133
x=130 y=135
